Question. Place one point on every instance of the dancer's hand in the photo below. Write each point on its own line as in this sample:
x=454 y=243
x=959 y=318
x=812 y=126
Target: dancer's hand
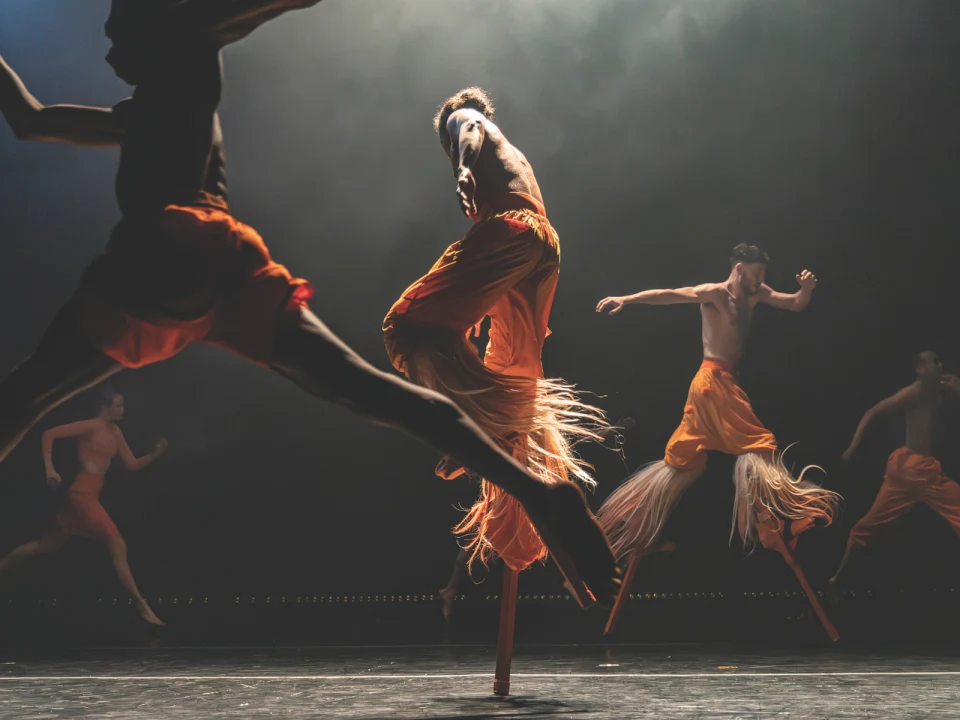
x=951 y=382
x=466 y=191
x=807 y=280
x=610 y=305
x=847 y=456
x=53 y=479
x=161 y=447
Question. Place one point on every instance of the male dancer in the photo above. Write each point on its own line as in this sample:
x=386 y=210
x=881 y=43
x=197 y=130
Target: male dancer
x=506 y=267
x=180 y=269
x=82 y=515
x=913 y=474
x=718 y=416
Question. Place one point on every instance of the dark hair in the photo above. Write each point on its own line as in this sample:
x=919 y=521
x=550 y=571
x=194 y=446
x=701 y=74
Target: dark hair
x=744 y=253
x=472 y=97
x=106 y=397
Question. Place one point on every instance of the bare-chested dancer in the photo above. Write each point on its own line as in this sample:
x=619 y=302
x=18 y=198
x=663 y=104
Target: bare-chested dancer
x=506 y=268
x=718 y=416
x=913 y=474
x=180 y=269
x=82 y=515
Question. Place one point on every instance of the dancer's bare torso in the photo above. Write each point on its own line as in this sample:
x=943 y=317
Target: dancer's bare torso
x=921 y=410
x=98 y=446
x=726 y=323
x=500 y=168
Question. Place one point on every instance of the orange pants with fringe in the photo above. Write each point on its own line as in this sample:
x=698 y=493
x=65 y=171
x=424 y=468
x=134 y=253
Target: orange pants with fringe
x=717 y=416
x=506 y=267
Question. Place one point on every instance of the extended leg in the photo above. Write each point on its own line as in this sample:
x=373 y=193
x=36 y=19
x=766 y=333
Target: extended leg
x=891 y=502
x=118 y=555
x=635 y=557
x=324 y=366
x=64 y=364
x=30 y=550
x=449 y=593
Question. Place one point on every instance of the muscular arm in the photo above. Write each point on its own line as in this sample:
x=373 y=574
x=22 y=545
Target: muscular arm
x=710 y=293
x=896 y=402
x=228 y=22
x=468 y=129
x=59 y=433
x=71 y=124
x=795 y=302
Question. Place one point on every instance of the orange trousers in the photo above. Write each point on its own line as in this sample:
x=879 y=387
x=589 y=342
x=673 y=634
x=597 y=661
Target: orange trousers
x=717 y=416
x=186 y=274
x=910 y=479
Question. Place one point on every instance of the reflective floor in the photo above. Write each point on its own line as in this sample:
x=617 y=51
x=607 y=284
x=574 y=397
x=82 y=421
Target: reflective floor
x=600 y=681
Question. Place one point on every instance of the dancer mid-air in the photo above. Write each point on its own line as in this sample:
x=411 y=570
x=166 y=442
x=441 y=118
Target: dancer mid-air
x=770 y=505
x=913 y=474
x=180 y=269
x=505 y=267
x=82 y=515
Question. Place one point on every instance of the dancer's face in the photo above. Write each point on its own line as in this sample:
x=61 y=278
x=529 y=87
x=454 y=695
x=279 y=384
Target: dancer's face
x=750 y=277
x=115 y=410
x=929 y=366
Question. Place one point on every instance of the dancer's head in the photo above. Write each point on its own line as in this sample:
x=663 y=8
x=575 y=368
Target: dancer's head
x=472 y=97
x=111 y=406
x=126 y=27
x=927 y=365
x=749 y=267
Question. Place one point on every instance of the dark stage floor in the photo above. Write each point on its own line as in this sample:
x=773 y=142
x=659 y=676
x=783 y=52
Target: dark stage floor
x=599 y=681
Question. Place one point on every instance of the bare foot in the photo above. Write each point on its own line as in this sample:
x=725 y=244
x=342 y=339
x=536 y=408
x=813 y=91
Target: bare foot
x=147 y=613
x=447 y=596
x=577 y=544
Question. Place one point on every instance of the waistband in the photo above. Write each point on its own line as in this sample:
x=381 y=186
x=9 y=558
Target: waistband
x=714 y=364
x=515 y=201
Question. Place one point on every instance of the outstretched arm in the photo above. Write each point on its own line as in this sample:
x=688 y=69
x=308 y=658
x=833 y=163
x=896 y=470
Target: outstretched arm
x=898 y=401
x=710 y=293
x=951 y=383
x=138 y=463
x=228 y=21
x=72 y=124
x=797 y=301
x=58 y=433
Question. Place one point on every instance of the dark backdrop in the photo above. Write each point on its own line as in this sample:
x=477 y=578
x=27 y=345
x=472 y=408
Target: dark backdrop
x=662 y=133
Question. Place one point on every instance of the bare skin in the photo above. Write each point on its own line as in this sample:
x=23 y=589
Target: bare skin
x=726 y=311
x=919 y=403
x=487 y=167
x=726 y=308
x=170 y=151
x=99 y=440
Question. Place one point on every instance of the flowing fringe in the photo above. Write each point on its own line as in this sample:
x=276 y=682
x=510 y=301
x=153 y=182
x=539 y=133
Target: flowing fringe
x=539 y=421
x=633 y=516
x=761 y=482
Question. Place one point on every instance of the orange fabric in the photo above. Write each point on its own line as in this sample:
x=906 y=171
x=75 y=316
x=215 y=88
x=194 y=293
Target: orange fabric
x=188 y=274
x=82 y=514
x=717 y=416
x=911 y=478
x=506 y=267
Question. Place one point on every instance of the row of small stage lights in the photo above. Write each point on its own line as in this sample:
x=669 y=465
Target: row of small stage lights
x=397 y=599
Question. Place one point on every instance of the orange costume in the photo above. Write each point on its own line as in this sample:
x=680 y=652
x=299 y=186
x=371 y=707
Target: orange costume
x=911 y=478
x=186 y=274
x=506 y=267
x=717 y=416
